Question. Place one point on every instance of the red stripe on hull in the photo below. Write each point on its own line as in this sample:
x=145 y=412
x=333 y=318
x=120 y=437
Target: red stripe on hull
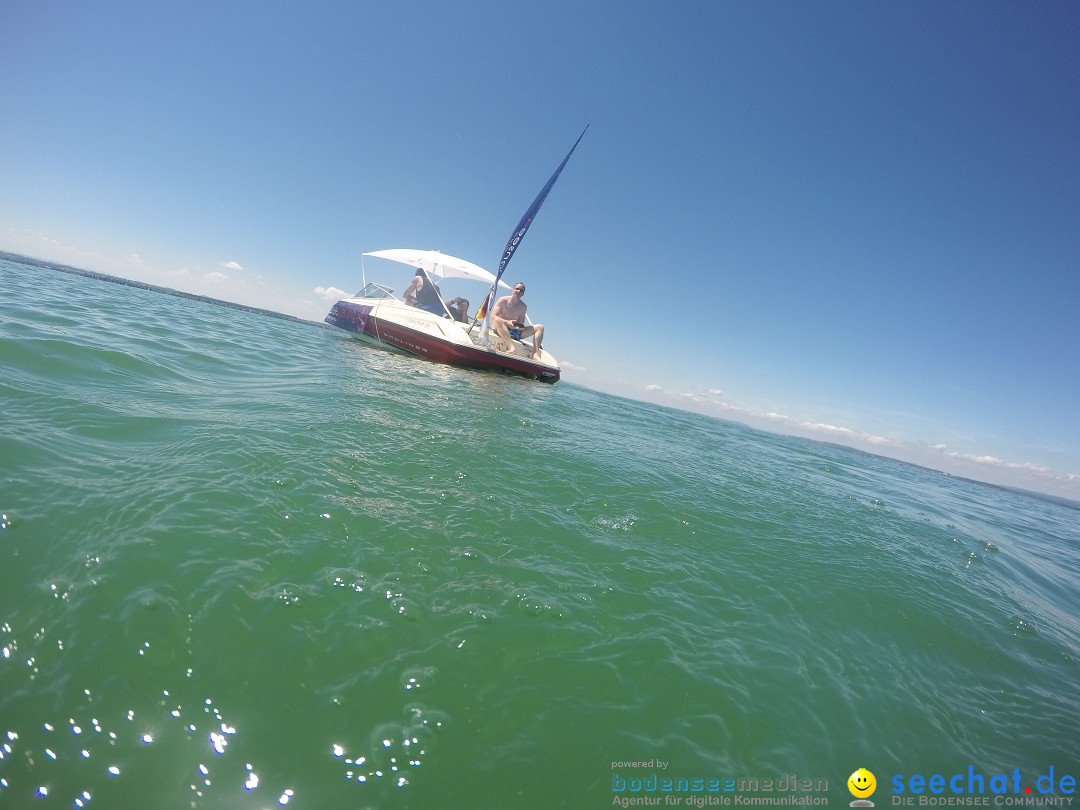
x=438 y=351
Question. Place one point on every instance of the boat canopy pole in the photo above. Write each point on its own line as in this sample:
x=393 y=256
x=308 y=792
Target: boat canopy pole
x=429 y=279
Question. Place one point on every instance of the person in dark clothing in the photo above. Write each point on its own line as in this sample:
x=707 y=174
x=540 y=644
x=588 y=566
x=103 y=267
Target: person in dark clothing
x=459 y=309
x=423 y=294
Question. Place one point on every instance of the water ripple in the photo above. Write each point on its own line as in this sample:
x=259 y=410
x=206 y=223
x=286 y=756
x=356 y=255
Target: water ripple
x=251 y=563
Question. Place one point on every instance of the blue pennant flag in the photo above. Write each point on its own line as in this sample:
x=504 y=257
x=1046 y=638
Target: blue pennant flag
x=522 y=227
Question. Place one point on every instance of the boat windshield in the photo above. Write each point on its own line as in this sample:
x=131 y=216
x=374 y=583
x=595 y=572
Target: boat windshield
x=373 y=290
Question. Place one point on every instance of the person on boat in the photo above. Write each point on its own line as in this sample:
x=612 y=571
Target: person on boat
x=409 y=296
x=459 y=309
x=423 y=294
x=508 y=319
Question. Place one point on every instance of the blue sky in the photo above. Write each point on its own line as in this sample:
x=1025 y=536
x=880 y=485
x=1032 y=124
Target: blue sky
x=852 y=221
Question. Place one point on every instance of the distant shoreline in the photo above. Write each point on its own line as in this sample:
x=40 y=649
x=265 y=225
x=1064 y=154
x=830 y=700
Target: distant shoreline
x=78 y=271
x=63 y=268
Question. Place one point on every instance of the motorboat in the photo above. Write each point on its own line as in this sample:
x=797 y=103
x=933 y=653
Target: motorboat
x=436 y=330
x=376 y=315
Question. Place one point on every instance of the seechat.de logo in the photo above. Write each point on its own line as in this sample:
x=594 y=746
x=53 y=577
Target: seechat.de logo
x=862 y=785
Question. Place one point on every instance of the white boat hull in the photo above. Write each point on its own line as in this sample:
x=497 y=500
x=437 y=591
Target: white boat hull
x=438 y=338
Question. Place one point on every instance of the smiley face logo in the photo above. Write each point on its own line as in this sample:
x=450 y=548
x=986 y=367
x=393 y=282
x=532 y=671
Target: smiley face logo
x=862 y=783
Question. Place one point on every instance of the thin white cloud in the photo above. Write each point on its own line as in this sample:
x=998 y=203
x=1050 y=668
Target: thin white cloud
x=214 y=277
x=231 y=265
x=1027 y=465
x=975 y=458
x=881 y=440
x=330 y=293
x=571 y=367
x=821 y=427
x=994 y=461
x=848 y=434
x=711 y=404
x=34 y=243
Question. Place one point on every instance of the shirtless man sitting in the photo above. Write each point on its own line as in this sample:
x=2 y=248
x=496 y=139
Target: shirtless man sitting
x=508 y=318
